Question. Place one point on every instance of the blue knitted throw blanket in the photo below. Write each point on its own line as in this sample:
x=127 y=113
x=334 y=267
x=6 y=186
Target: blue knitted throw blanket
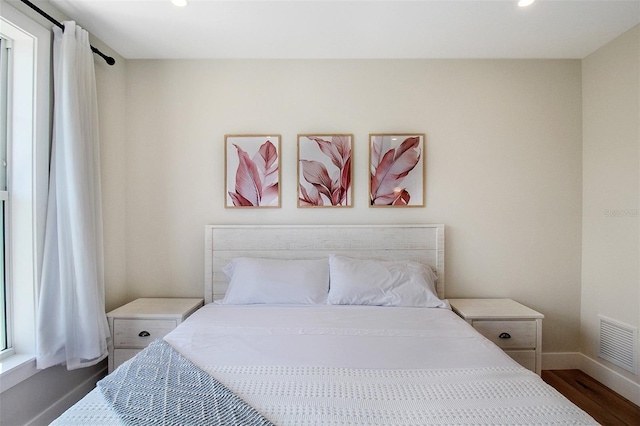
x=161 y=387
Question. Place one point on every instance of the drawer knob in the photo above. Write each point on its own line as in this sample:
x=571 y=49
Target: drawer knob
x=504 y=336
x=144 y=334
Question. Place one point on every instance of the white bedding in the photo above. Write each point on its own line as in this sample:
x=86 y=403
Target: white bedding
x=333 y=336
x=357 y=365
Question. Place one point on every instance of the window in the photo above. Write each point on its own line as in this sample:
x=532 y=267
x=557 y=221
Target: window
x=26 y=68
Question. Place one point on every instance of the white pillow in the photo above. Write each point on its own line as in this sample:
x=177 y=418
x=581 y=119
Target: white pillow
x=382 y=283
x=255 y=280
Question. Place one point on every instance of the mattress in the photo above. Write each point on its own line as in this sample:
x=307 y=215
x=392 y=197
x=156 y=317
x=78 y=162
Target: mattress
x=356 y=365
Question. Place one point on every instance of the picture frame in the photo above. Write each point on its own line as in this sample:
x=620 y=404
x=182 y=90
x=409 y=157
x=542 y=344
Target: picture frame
x=252 y=171
x=397 y=170
x=325 y=172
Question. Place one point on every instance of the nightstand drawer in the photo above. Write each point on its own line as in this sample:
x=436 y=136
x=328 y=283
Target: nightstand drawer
x=526 y=358
x=509 y=334
x=519 y=325
x=122 y=355
x=134 y=325
x=138 y=333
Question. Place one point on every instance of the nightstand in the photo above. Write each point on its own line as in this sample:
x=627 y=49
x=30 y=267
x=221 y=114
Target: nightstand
x=515 y=328
x=136 y=324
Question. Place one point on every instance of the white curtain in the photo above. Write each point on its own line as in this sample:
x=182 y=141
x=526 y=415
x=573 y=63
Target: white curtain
x=72 y=325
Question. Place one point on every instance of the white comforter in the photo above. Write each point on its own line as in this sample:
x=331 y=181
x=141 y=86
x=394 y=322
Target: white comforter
x=357 y=365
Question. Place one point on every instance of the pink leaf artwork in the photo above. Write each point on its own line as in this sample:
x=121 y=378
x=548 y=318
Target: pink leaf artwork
x=256 y=178
x=391 y=164
x=324 y=170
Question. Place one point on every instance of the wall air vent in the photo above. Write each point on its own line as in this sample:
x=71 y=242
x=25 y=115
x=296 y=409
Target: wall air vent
x=618 y=344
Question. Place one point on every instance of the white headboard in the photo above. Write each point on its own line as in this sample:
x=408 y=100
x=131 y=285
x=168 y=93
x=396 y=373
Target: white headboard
x=422 y=243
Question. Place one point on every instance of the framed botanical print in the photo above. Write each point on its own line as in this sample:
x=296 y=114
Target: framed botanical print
x=397 y=170
x=324 y=170
x=252 y=170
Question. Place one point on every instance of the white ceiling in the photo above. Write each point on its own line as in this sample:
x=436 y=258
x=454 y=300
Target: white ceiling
x=147 y=29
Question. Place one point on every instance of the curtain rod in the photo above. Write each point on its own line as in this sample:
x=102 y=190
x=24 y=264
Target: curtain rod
x=108 y=59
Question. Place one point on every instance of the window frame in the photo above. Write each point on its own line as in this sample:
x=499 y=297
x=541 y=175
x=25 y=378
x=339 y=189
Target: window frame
x=28 y=182
x=6 y=343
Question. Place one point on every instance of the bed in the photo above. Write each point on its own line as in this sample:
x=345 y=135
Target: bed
x=378 y=346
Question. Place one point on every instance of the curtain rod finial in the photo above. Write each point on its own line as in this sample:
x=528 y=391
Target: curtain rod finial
x=108 y=59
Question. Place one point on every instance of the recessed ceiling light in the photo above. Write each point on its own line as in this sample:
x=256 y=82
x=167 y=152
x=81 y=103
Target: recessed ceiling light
x=525 y=3
x=179 y=3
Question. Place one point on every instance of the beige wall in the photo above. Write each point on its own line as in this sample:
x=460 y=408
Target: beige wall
x=611 y=188
x=504 y=165
x=111 y=85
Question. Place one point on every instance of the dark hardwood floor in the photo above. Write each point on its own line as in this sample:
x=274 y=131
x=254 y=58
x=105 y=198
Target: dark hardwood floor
x=600 y=402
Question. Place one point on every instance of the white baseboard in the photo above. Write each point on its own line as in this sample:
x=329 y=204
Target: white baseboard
x=67 y=400
x=626 y=387
x=623 y=385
